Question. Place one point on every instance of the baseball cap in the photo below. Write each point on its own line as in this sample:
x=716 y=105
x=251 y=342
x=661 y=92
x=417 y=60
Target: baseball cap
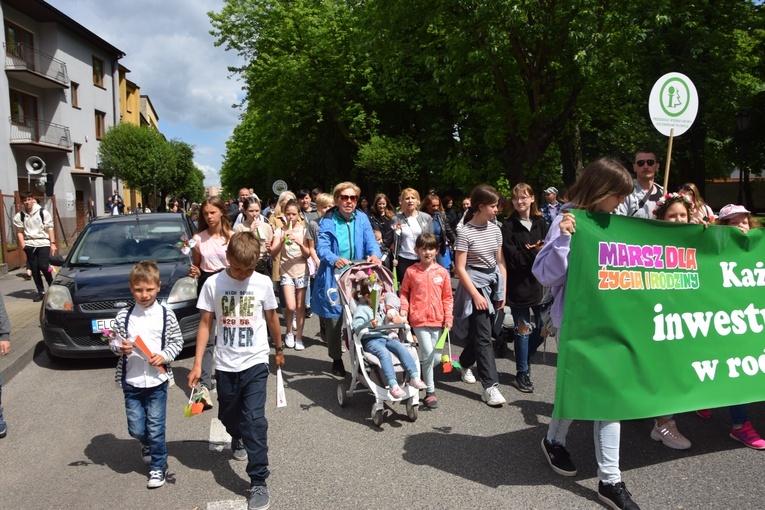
x=731 y=210
x=551 y=189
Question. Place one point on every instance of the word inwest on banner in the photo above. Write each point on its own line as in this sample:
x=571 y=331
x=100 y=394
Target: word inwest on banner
x=660 y=318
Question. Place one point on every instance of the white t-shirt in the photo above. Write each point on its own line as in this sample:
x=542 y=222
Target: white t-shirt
x=410 y=231
x=241 y=340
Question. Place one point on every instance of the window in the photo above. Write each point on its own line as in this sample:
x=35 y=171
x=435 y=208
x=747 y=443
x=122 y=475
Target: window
x=19 y=42
x=100 y=124
x=77 y=158
x=23 y=108
x=98 y=72
x=75 y=95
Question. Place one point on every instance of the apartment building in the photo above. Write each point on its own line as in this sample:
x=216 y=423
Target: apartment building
x=58 y=95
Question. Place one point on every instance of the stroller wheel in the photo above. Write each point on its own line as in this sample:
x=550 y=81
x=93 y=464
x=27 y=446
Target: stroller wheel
x=377 y=417
x=412 y=411
x=342 y=395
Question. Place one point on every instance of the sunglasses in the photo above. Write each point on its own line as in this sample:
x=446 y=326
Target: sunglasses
x=641 y=162
x=345 y=198
x=685 y=188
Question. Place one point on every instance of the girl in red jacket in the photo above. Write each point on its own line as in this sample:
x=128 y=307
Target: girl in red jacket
x=426 y=300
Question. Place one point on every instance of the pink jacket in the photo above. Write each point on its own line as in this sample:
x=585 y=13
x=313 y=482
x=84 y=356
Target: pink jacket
x=427 y=296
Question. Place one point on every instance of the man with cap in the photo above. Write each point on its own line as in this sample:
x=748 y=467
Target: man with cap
x=551 y=208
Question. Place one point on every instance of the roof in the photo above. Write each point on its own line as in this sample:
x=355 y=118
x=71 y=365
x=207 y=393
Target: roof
x=42 y=11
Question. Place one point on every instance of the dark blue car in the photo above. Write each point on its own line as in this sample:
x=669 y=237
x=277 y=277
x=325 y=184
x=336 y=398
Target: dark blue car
x=93 y=283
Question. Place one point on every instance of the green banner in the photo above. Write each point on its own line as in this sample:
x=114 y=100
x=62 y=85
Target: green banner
x=660 y=318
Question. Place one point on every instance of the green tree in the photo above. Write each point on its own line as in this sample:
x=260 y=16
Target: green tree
x=138 y=155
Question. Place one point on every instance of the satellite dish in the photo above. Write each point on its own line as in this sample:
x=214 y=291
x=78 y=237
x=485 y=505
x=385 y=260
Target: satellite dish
x=35 y=165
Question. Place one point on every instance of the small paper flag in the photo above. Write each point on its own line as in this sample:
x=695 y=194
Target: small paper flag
x=442 y=339
x=281 y=397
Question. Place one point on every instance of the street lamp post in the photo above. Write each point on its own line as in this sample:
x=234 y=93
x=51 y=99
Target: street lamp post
x=742 y=124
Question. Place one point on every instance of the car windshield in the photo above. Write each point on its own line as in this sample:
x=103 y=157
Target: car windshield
x=122 y=242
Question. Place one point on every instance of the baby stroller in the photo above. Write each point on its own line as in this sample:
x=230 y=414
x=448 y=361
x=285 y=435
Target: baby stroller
x=365 y=367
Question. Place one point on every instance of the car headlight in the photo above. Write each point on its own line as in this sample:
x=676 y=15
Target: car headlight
x=58 y=297
x=184 y=289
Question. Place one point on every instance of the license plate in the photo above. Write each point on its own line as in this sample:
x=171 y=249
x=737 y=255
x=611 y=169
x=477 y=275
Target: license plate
x=101 y=324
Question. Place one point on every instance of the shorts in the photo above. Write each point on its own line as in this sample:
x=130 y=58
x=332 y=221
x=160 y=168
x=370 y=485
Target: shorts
x=300 y=282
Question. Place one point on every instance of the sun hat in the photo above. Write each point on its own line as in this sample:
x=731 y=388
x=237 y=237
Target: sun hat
x=731 y=210
x=551 y=189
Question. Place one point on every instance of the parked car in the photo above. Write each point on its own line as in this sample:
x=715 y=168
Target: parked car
x=93 y=283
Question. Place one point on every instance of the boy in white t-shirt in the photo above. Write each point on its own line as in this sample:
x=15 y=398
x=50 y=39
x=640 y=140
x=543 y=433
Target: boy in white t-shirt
x=144 y=381
x=243 y=305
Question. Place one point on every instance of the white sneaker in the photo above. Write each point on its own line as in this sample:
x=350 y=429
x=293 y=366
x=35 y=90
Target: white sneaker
x=299 y=344
x=467 y=376
x=289 y=340
x=492 y=396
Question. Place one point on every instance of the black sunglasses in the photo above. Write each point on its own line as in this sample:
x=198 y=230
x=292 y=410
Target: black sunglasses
x=641 y=162
x=685 y=187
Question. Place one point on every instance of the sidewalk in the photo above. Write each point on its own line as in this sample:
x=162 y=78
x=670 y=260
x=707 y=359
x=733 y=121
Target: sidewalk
x=25 y=322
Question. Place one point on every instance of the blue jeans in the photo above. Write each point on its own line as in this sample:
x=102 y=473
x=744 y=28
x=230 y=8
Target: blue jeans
x=606 y=435
x=382 y=346
x=739 y=414
x=528 y=342
x=145 y=408
x=242 y=410
x=428 y=338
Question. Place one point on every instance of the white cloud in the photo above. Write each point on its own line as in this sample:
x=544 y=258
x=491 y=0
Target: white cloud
x=211 y=174
x=171 y=56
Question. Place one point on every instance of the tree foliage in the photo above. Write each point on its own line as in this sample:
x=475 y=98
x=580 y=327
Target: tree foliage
x=447 y=94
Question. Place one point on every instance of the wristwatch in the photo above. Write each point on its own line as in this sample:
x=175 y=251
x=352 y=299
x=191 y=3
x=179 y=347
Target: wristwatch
x=279 y=349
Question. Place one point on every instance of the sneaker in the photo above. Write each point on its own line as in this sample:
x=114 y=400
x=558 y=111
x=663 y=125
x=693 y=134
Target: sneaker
x=705 y=413
x=338 y=368
x=616 y=496
x=145 y=455
x=39 y=297
x=417 y=383
x=430 y=401
x=206 y=398
x=523 y=383
x=308 y=313
x=747 y=435
x=397 y=392
x=299 y=344
x=237 y=446
x=289 y=340
x=467 y=376
x=492 y=396
x=558 y=458
x=3 y=425
x=156 y=479
x=670 y=436
x=257 y=497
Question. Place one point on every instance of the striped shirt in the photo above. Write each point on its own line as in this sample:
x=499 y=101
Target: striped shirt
x=481 y=244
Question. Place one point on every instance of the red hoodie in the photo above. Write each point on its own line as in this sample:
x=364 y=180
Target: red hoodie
x=426 y=296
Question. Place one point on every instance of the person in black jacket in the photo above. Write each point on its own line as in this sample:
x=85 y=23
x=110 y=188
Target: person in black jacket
x=441 y=228
x=381 y=217
x=523 y=235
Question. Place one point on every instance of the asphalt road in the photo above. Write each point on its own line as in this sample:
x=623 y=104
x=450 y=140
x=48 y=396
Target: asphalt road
x=68 y=447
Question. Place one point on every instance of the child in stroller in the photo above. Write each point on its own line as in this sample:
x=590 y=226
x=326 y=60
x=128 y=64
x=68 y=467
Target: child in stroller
x=381 y=344
x=367 y=369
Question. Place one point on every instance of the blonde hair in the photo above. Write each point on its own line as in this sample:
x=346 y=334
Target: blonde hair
x=410 y=191
x=324 y=200
x=285 y=197
x=338 y=190
x=145 y=271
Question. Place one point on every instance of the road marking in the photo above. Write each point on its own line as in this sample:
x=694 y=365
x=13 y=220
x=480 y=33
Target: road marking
x=219 y=439
x=227 y=505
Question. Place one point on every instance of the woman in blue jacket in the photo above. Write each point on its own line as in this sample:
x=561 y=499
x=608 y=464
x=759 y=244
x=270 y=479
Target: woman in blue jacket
x=344 y=235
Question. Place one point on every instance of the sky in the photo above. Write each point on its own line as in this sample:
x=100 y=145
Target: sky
x=173 y=59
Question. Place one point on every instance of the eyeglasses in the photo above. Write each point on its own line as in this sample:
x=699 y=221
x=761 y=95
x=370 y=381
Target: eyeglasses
x=345 y=198
x=685 y=188
x=641 y=162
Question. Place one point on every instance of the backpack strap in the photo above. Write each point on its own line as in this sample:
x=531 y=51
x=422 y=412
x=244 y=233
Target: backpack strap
x=124 y=356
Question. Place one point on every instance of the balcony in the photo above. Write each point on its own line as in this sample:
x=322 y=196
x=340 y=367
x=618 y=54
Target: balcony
x=40 y=135
x=35 y=68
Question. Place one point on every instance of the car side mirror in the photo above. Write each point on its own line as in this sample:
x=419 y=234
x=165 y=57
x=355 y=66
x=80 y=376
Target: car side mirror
x=56 y=260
